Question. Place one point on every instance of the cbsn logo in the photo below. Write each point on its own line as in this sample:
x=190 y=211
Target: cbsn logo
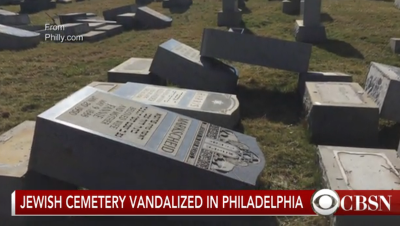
x=326 y=202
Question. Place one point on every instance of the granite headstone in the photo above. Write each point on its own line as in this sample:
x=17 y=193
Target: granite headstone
x=16 y=39
x=230 y=15
x=310 y=29
x=11 y=18
x=148 y=18
x=111 y=14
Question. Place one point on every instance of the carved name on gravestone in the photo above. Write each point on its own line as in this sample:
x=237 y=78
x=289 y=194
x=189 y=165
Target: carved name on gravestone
x=183 y=66
x=340 y=114
x=98 y=140
x=383 y=84
x=347 y=168
x=215 y=108
x=149 y=18
x=263 y=51
x=15 y=39
x=132 y=70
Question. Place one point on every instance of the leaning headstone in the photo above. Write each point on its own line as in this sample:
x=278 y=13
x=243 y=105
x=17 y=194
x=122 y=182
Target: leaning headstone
x=111 y=14
x=15 y=146
x=149 y=18
x=17 y=39
x=183 y=66
x=310 y=29
x=127 y=20
x=71 y=17
x=176 y=3
x=314 y=76
x=382 y=85
x=133 y=70
x=216 y=108
x=11 y=18
x=262 y=51
x=98 y=140
x=230 y=15
x=395 y=45
x=291 y=7
x=111 y=29
x=106 y=86
x=348 y=168
x=340 y=114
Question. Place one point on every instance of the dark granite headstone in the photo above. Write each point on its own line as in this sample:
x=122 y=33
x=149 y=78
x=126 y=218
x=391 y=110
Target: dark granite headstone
x=149 y=18
x=71 y=17
x=12 y=19
x=34 y=6
x=111 y=14
x=16 y=39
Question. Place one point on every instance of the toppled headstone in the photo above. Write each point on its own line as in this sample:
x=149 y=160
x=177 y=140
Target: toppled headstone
x=127 y=20
x=111 y=14
x=111 y=29
x=310 y=29
x=149 y=18
x=230 y=15
x=347 y=168
x=395 y=45
x=133 y=70
x=118 y=143
x=382 y=85
x=10 y=18
x=176 y=3
x=314 y=76
x=71 y=17
x=106 y=86
x=95 y=20
x=96 y=25
x=291 y=7
x=94 y=36
x=58 y=33
x=183 y=66
x=17 y=39
x=263 y=51
x=340 y=114
x=34 y=6
x=216 y=108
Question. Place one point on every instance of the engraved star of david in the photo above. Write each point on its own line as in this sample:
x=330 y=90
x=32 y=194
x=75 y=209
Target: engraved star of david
x=217 y=102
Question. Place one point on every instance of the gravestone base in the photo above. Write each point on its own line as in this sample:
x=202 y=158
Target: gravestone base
x=291 y=7
x=127 y=20
x=111 y=30
x=340 y=114
x=370 y=169
x=229 y=19
x=93 y=26
x=96 y=20
x=313 y=34
x=94 y=36
x=395 y=45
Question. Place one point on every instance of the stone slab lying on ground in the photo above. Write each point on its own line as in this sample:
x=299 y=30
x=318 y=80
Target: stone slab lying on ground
x=133 y=70
x=34 y=6
x=111 y=14
x=106 y=86
x=10 y=18
x=15 y=146
x=111 y=29
x=94 y=36
x=262 y=51
x=148 y=18
x=71 y=17
x=216 y=108
x=30 y=27
x=17 y=39
x=95 y=25
x=176 y=3
x=127 y=20
x=383 y=84
x=98 y=140
x=95 y=20
x=347 y=168
x=314 y=76
x=183 y=66
x=395 y=45
x=340 y=114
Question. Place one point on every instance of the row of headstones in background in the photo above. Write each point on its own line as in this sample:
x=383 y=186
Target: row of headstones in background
x=11 y=18
x=230 y=15
x=99 y=140
x=33 y=6
x=310 y=29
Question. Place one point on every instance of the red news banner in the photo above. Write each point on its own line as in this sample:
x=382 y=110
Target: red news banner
x=206 y=203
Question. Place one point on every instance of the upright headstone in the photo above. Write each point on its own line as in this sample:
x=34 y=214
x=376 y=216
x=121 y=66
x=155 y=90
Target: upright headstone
x=148 y=18
x=106 y=86
x=382 y=84
x=310 y=29
x=291 y=7
x=230 y=15
x=11 y=18
x=98 y=140
x=395 y=45
x=133 y=70
x=348 y=168
x=216 y=108
x=341 y=114
x=263 y=51
x=183 y=66
x=111 y=14
x=16 y=39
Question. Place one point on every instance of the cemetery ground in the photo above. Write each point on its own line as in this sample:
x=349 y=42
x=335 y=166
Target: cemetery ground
x=32 y=81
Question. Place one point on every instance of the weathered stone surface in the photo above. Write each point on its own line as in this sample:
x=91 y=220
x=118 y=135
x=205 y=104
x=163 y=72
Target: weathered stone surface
x=263 y=51
x=395 y=45
x=291 y=7
x=216 y=108
x=383 y=84
x=183 y=66
x=127 y=20
x=11 y=18
x=111 y=30
x=314 y=76
x=106 y=86
x=71 y=17
x=17 y=39
x=340 y=114
x=101 y=141
x=111 y=14
x=149 y=18
x=94 y=36
x=309 y=34
x=133 y=70
x=347 y=168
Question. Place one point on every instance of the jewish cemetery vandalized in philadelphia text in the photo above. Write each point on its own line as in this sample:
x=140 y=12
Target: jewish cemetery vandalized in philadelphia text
x=58 y=33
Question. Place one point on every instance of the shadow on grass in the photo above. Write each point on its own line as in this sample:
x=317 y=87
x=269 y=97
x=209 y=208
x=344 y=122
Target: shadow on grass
x=341 y=48
x=389 y=137
x=325 y=17
x=274 y=105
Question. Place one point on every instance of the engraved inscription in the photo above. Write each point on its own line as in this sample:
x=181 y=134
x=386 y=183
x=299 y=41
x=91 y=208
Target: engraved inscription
x=188 y=52
x=338 y=93
x=116 y=117
x=376 y=86
x=159 y=95
x=198 y=100
x=174 y=137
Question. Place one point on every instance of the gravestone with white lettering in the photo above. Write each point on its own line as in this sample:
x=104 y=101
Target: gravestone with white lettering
x=382 y=84
x=112 y=14
x=15 y=146
x=133 y=70
x=11 y=18
x=230 y=15
x=148 y=18
x=291 y=7
x=310 y=29
x=340 y=113
x=262 y=51
x=350 y=168
x=98 y=140
x=17 y=39
x=216 y=108
x=183 y=66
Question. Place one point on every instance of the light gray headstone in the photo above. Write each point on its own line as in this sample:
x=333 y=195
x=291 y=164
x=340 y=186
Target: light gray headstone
x=383 y=85
x=340 y=114
x=349 y=168
x=15 y=39
x=263 y=51
x=149 y=18
x=216 y=108
x=132 y=70
x=183 y=66
x=98 y=140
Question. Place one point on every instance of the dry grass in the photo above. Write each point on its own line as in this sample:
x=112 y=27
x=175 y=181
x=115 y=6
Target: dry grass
x=32 y=81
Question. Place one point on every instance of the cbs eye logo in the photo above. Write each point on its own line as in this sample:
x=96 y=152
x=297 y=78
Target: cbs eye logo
x=325 y=202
